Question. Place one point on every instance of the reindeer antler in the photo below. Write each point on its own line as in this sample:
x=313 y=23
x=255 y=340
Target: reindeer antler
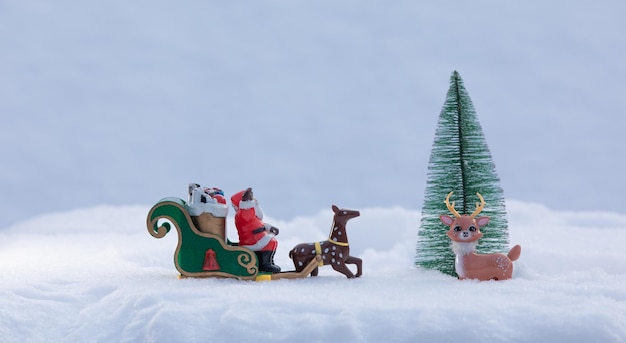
x=479 y=207
x=451 y=207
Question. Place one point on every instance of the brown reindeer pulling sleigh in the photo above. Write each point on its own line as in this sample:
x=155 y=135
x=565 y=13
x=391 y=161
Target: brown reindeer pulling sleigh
x=335 y=251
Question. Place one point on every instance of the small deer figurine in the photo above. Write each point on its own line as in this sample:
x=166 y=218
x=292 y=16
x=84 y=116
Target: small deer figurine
x=334 y=251
x=465 y=233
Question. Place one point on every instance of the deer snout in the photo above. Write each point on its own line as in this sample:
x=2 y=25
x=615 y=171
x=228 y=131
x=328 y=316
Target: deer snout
x=460 y=234
x=463 y=235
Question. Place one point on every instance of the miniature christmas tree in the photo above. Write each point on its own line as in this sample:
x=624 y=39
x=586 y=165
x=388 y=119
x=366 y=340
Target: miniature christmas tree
x=460 y=162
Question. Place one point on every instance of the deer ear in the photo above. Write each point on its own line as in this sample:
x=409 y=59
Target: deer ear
x=335 y=209
x=446 y=220
x=482 y=221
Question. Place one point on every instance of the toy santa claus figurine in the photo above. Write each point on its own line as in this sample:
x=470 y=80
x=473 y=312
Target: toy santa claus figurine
x=254 y=234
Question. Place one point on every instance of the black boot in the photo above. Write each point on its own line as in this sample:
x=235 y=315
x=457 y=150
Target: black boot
x=277 y=268
x=266 y=262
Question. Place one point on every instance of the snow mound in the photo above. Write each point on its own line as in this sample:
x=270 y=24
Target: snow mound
x=96 y=275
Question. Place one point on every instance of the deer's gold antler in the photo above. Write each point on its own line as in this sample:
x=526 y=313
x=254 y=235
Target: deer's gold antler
x=479 y=207
x=451 y=206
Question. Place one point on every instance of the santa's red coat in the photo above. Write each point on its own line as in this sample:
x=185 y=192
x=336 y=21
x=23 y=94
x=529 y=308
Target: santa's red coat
x=253 y=233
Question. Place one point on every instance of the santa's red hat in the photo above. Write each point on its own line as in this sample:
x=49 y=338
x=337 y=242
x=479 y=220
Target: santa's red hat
x=238 y=203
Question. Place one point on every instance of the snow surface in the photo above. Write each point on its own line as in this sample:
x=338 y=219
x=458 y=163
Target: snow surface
x=96 y=275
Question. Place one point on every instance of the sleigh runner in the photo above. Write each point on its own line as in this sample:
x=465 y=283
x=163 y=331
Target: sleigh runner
x=203 y=249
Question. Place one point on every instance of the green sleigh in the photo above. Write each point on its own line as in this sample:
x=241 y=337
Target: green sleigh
x=200 y=254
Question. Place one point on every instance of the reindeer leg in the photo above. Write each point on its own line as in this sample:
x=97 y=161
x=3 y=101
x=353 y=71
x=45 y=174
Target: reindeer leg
x=299 y=263
x=341 y=267
x=295 y=262
x=359 y=264
x=314 y=271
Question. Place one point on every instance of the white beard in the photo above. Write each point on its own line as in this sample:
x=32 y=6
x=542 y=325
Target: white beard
x=257 y=210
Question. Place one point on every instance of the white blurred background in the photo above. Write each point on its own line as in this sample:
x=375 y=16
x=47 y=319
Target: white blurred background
x=309 y=103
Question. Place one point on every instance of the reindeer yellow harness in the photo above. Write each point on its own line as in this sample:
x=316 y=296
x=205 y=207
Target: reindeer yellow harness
x=318 y=246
